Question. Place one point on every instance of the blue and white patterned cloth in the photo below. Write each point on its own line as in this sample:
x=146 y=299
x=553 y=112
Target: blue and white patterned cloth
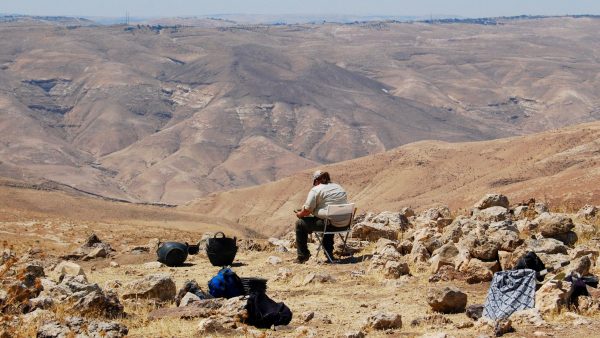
x=510 y=291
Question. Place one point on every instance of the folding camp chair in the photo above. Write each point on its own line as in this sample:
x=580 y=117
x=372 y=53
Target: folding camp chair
x=338 y=220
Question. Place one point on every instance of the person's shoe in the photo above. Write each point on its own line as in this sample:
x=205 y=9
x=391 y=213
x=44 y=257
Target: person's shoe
x=301 y=259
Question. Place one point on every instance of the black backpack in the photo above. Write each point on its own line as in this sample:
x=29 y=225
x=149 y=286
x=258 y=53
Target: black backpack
x=263 y=312
x=531 y=261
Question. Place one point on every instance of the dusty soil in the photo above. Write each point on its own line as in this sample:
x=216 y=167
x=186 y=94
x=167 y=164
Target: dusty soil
x=340 y=306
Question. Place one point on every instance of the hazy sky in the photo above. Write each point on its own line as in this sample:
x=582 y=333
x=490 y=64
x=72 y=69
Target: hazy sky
x=467 y=8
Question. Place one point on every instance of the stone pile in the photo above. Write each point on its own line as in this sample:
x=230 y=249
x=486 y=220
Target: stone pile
x=472 y=248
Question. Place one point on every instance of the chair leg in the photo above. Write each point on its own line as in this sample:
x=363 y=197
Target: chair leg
x=329 y=258
x=344 y=241
x=320 y=240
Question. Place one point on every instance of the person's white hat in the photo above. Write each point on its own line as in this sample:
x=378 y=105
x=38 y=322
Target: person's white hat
x=317 y=174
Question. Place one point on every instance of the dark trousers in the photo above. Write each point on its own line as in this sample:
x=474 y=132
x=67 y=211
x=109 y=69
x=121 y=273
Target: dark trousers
x=305 y=226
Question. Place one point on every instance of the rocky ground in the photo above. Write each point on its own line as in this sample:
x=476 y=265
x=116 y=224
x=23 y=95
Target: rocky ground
x=409 y=274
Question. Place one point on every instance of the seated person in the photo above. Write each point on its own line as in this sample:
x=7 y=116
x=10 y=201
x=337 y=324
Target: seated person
x=310 y=217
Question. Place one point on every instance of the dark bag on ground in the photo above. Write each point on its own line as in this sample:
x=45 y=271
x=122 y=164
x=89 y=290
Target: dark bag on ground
x=226 y=284
x=531 y=261
x=263 y=312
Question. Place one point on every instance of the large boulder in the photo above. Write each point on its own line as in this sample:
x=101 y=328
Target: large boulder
x=479 y=271
x=492 y=214
x=444 y=255
x=581 y=265
x=492 y=200
x=568 y=238
x=158 y=287
x=547 y=246
x=66 y=268
x=373 y=232
x=419 y=253
x=482 y=247
x=395 y=269
x=527 y=318
x=72 y=288
x=554 y=225
x=505 y=234
x=553 y=296
x=100 y=303
x=449 y=299
x=433 y=214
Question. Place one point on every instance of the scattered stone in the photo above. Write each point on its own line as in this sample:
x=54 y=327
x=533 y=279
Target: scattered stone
x=41 y=302
x=478 y=271
x=318 y=278
x=444 y=255
x=419 y=253
x=464 y=325
x=433 y=320
x=474 y=311
x=33 y=269
x=493 y=214
x=449 y=299
x=72 y=288
x=114 y=264
x=383 y=321
x=274 y=260
x=307 y=316
x=203 y=309
x=53 y=330
x=283 y=274
x=524 y=318
x=154 y=287
x=192 y=287
x=153 y=265
x=99 y=252
x=38 y=315
x=569 y=238
x=305 y=331
x=395 y=269
x=553 y=296
x=407 y=212
x=188 y=299
x=354 y=334
x=578 y=320
x=373 y=232
x=108 y=330
x=492 y=200
x=580 y=265
x=211 y=326
x=446 y=273
x=65 y=268
x=502 y=327
x=588 y=212
x=101 y=303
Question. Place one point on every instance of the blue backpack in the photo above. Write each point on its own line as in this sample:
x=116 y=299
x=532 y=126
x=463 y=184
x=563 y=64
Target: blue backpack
x=226 y=284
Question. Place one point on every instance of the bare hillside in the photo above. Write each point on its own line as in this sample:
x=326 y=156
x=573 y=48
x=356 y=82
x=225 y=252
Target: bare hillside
x=169 y=114
x=560 y=167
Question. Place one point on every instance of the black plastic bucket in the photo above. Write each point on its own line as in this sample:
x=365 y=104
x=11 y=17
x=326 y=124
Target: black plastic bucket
x=172 y=253
x=221 y=250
